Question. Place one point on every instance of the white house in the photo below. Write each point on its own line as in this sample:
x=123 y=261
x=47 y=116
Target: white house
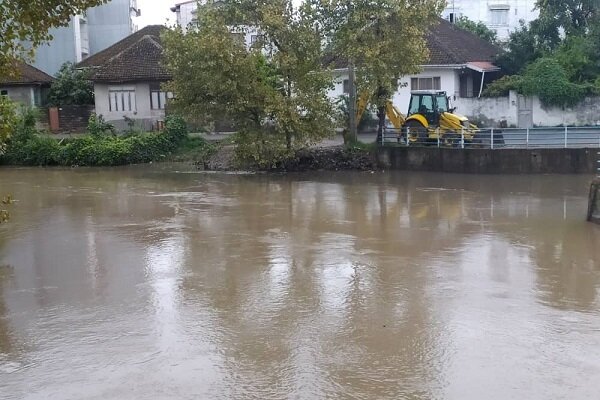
x=460 y=63
x=186 y=16
x=503 y=16
x=127 y=78
x=28 y=87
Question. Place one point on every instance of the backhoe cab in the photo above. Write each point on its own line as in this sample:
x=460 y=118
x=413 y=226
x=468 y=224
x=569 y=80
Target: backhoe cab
x=429 y=115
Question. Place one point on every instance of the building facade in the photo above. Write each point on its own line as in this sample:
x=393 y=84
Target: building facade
x=28 y=88
x=460 y=64
x=186 y=16
x=127 y=79
x=87 y=34
x=502 y=16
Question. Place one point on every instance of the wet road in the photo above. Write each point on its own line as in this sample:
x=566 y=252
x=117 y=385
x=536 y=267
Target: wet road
x=147 y=283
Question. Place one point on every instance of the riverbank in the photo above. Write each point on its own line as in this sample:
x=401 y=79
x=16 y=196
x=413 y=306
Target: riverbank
x=330 y=158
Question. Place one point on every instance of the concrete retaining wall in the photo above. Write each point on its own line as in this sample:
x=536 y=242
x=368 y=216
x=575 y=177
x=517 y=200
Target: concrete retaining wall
x=485 y=161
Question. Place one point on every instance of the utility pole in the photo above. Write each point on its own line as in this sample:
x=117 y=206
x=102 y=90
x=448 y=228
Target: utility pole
x=352 y=131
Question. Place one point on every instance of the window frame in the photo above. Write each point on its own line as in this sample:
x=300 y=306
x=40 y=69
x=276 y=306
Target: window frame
x=420 y=82
x=119 y=99
x=502 y=13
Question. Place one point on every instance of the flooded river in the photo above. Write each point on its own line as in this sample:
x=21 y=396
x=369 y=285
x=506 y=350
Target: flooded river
x=149 y=283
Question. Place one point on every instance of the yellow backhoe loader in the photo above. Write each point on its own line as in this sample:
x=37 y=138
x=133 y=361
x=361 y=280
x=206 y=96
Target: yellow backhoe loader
x=429 y=118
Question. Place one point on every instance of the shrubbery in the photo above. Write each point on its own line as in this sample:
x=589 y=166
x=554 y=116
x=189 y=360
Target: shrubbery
x=548 y=80
x=101 y=148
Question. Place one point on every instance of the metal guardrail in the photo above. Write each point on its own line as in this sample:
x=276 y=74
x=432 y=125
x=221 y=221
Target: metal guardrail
x=501 y=138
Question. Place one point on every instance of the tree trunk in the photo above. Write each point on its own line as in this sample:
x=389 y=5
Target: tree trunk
x=288 y=134
x=381 y=98
x=380 y=122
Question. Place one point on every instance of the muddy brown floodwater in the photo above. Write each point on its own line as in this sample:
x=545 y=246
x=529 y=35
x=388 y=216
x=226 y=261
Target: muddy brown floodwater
x=153 y=283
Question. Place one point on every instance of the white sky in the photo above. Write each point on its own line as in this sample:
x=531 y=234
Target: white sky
x=156 y=12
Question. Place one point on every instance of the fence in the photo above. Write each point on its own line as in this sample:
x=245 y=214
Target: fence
x=495 y=138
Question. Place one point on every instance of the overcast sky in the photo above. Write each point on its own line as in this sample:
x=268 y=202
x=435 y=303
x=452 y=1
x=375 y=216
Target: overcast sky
x=156 y=12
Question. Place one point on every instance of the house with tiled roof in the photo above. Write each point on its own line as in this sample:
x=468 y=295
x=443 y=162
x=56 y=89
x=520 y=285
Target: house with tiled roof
x=127 y=79
x=460 y=63
x=28 y=85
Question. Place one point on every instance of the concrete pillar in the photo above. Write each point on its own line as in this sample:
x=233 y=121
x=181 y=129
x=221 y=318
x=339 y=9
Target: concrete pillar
x=594 y=202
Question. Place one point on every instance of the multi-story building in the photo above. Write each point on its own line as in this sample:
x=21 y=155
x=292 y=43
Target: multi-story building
x=186 y=15
x=94 y=30
x=502 y=16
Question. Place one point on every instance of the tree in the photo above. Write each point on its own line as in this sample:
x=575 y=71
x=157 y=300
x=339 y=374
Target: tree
x=30 y=21
x=8 y=120
x=71 y=86
x=385 y=39
x=478 y=28
x=521 y=49
x=274 y=91
x=574 y=17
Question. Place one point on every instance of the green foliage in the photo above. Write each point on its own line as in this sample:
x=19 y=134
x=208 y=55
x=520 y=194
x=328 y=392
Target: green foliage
x=97 y=126
x=367 y=119
x=580 y=58
x=275 y=94
x=521 y=49
x=33 y=148
x=71 y=86
x=4 y=214
x=8 y=120
x=263 y=149
x=176 y=128
x=478 y=28
x=547 y=79
x=502 y=86
x=29 y=22
x=556 y=55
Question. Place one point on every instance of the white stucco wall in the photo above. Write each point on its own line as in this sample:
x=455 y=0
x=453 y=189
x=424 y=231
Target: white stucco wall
x=449 y=81
x=142 y=113
x=490 y=112
x=22 y=94
x=480 y=10
x=585 y=113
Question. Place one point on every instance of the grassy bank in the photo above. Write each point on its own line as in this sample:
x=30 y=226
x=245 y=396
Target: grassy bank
x=101 y=147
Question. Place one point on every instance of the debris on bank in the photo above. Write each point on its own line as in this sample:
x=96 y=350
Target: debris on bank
x=337 y=158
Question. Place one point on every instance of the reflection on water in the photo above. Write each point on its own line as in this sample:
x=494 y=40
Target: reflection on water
x=148 y=283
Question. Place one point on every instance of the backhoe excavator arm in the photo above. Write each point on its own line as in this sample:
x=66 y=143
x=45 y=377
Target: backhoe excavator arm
x=394 y=115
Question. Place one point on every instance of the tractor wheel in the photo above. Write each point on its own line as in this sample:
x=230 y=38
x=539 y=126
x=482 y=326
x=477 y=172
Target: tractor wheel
x=416 y=130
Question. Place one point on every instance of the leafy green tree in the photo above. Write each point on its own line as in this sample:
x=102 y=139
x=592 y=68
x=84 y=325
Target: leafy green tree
x=71 y=86
x=275 y=92
x=385 y=39
x=580 y=58
x=574 y=17
x=478 y=28
x=30 y=21
x=521 y=49
x=8 y=120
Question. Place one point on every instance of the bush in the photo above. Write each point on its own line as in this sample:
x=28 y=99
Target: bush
x=97 y=149
x=502 y=86
x=97 y=126
x=547 y=79
x=263 y=150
